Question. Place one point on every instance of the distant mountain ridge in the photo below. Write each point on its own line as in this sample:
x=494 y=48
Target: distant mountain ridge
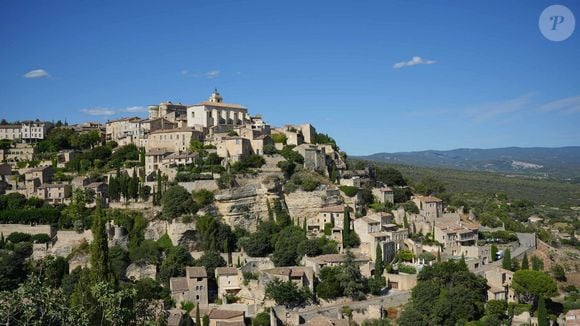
x=559 y=162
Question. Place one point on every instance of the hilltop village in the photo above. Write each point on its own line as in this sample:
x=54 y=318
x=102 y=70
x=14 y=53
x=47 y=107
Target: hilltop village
x=207 y=214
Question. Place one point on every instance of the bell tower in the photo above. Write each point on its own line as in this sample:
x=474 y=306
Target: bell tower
x=215 y=97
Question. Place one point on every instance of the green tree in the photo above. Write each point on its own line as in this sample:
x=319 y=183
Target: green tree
x=507 y=260
x=529 y=285
x=346 y=227
x=205 y=320
x=286 y=249
x=288 y=293
x=379 y=265
x=177 y=201
x=558 y=272
x=197 y=319
x=537 y=263
x=210 y=260
x=99 y=249
x=525 y=263
x=493 y=252
x=351 y=279
x=542 y=312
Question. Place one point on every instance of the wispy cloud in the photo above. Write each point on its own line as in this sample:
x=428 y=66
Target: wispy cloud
x=99 y=111
x=495 y=110
x=112 y=111
x=569 y=105
x=413 y=62
x=212 y=74
x=36 y=73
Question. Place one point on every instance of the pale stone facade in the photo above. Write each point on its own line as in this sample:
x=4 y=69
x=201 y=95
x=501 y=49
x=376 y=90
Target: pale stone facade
x=54 y=193
x=173 y=140
x=379 y=230
x=384 y=195
x=214 y=113
x=229 y=281
x=28 y=131
x=301 y=276
x=234 y=149
x=126 y=130
x=499 y=281
x=192 y=287
x=429 y=206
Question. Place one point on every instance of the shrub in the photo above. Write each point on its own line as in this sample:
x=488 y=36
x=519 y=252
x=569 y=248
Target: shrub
x=41 y=238
x=18 y=237
x=350 y=191
x=406 y=269
x=279 y=138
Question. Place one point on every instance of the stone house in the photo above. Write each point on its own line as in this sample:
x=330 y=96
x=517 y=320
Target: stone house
x=499 y=281
x=54 y=194
x=234 y=149
x=301 y=276
x=125 y=130
x=228 y=281
x=451 y=232
x=27 y=131
x=431 y=207
x=173 y=140
x=219 y=317
x=384 y=194
x=334 y=215
x=330 y=260
x=154 y=160
x=314 y=157
x=379 y=230
x=401 y=281
x=192 y=287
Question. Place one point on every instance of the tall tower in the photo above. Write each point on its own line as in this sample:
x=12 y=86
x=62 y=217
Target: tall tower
x=215 y=97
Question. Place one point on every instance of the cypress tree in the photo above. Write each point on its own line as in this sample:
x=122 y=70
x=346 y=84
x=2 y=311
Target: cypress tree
x=346 y=228
x=99 y=249
x=134 y=186
x=525 y=263
x=507 y=260
x=2 y=241
x=270 y=213
x=439 y=256
x=379 y=265
x=304 y=226
x=205 y=320
x=197 y=320
x=405 y=221
x=542 y=312
x=493 y=252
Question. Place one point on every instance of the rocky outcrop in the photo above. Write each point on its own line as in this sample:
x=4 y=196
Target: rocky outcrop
x=306 y=204
x=242 y=206
x=182 y=233
x=139 y=272
x=155 y=230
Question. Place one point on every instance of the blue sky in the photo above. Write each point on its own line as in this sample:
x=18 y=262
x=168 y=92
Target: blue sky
x=483 y=76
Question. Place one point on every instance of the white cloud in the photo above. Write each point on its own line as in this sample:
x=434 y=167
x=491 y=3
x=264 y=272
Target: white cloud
x=490 y=111
x=208 y=74
x=37 y=73
x=567 y=105
x=99 y=111
x=413 y=62
x=134 y=109
x=112 y=111
x=212 y=74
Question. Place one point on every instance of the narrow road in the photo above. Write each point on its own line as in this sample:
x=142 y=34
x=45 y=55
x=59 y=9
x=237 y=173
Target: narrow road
x=527 y=242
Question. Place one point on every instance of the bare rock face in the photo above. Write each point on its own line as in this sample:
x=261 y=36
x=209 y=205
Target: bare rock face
x=306 y=204
x=139 y=272
x=181 y=233
x=79 y=259
x=156 y=229
x=242 y=206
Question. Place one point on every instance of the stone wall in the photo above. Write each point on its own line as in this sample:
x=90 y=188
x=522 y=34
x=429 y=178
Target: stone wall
x=6 y=229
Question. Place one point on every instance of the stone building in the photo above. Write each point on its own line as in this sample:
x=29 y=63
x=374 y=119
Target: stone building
x=454 y=233
x=379 y=229
x=173 y=140
x=126 y=130
x=192 y=287
x=499 y=281
x=384 y=195
x=168 y=111
x=301 y=276
x=429 y=206
x=319 y=262
x=333 y=215
x=229 y=281
x=54 y=194
x=314 y=157
x=234 y=149
x=26 y=132
x=216 y=114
